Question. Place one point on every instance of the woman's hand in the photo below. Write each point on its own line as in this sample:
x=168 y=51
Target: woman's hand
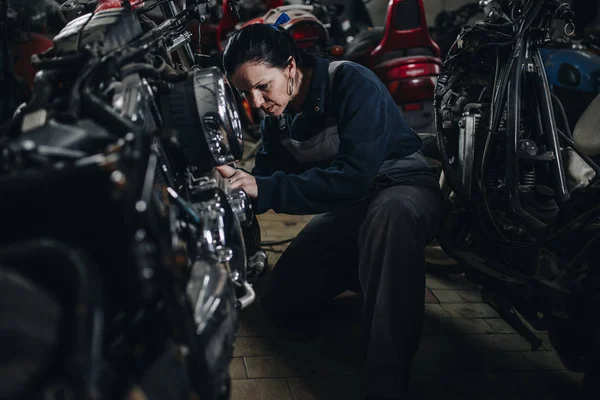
x=239 y=179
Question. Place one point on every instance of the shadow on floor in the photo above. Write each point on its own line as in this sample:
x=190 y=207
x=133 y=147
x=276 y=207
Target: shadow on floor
x=475 y=357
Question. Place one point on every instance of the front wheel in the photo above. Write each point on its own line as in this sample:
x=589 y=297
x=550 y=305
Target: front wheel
x=30 y=321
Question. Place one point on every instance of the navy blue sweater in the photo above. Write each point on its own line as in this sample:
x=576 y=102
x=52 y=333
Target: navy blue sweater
x=326 y=156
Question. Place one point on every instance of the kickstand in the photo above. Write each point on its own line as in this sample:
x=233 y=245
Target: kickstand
x=517 y=324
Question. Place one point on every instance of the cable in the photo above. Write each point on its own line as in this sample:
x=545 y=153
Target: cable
x=80 y=33
x=563 y=114
x=488 y=141
x=277 y=242
x=275 y=251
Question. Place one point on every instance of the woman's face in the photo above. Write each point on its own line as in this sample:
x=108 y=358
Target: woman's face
x=263 y=86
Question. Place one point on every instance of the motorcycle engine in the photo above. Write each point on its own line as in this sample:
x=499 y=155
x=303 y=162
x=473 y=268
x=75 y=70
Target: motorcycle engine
x=107 y=29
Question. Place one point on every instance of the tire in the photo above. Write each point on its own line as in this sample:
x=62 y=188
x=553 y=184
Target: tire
x=30 y=320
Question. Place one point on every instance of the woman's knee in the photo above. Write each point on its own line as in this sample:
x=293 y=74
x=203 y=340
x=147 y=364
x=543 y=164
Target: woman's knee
x=410 y=212
x=389 y=209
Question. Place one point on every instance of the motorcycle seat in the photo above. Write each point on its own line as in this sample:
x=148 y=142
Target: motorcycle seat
x=366 y=41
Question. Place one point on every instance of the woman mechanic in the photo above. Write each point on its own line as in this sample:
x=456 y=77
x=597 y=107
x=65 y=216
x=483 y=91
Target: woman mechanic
x=343 y=150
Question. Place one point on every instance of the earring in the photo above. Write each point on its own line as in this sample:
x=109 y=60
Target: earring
x=290 y=86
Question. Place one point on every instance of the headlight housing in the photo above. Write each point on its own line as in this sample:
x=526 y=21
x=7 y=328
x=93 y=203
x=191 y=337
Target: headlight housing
x=204 y=115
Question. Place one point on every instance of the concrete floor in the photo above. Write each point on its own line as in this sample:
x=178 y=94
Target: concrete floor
x=466 y=351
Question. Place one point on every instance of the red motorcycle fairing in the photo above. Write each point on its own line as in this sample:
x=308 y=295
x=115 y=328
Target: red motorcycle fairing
x=108 y=4
x=23 y=51
x=405 y=29
x=405 y=57
x=409 y=79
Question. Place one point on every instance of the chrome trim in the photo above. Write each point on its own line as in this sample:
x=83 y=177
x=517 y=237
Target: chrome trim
x=179 y=41
x=220 y=117
x=248 y=298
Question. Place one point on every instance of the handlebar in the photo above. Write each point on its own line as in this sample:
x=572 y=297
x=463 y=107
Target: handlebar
x=562 y=10
x=556 y=9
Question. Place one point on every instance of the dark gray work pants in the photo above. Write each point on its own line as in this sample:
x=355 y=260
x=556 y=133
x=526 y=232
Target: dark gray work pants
x=381 y=242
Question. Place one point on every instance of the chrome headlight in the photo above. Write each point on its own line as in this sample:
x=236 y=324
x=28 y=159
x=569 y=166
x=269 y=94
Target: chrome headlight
x=222 y=237
x=205 y=289
x=203 y=113
x=241 y=206
x=220 y=116
x=215 y=315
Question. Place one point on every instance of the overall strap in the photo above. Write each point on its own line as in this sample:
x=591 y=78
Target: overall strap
x=331 y=72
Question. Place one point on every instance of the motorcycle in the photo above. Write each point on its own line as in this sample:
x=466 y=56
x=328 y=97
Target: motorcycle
x=124 y=257
x=404 y=56
x=522 y=190
x=572 y=65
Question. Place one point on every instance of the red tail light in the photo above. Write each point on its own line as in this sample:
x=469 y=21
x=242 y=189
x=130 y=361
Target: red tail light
x=408 y=71
x=409 y=80
x=337 y=51
x=408 y=91
x=307 y=35
x=413 y=107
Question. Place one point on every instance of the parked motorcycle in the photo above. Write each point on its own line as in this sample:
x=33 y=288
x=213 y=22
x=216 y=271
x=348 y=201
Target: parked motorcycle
x=572 y=65
x=404 y=56
x=124 y=257
x=523 y=191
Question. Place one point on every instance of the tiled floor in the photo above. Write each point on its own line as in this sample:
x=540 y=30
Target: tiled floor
x=466 y=351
